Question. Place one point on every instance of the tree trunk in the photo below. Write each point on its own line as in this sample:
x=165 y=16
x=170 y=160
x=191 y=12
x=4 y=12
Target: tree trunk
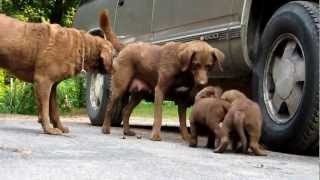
x=57 y=12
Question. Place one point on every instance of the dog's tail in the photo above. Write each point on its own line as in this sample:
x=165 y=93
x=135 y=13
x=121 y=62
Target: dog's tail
x=105 y=25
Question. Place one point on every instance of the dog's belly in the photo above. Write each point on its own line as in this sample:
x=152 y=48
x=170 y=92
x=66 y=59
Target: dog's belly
x=138 y=85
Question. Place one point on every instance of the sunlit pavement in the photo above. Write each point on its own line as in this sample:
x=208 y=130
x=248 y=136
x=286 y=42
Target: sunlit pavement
x=86 y=153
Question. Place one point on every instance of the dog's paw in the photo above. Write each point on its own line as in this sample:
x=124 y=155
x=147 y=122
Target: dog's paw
x=129 y=133
x=155 y=137
x=53 y=131
x=64 y=129
x=105 y=130
x=186 y=137
x=193 y=145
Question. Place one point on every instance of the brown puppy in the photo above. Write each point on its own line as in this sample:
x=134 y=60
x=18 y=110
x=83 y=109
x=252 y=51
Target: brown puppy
x=209 y=91
x=244 y=117
x=45 y=54
x=208 y=111
x=158 y=68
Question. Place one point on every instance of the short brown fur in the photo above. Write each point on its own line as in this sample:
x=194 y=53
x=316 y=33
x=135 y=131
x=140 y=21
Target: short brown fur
x=243 y=117
x=208 y=112
x=45 y=54
x=158 y=67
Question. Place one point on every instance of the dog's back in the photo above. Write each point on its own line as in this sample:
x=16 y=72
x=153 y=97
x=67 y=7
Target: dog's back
x=207 y=109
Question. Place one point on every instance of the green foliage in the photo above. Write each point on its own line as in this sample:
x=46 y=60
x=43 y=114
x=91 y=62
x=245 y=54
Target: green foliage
x=18 y=97
x=52 y=11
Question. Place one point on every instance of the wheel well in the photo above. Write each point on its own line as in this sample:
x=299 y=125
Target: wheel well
x=260 y=13
x=96 y=32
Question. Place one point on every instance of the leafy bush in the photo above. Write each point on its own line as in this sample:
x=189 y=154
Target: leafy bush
x=18 y=97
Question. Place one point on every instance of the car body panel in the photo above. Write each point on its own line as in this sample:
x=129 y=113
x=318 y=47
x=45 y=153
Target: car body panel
x=134 y=18
x=159 y=21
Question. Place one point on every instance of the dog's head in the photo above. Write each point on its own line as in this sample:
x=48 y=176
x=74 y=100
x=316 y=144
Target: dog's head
x=209 y=91
x=232 y=95
x=199 y=57
x=107 y=54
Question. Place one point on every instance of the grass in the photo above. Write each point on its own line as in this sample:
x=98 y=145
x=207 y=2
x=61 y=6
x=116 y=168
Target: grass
x=146 y=109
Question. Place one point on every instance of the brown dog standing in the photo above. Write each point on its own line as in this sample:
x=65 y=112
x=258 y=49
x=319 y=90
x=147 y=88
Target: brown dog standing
x=208 y=111
x=244 y=117
x=157 y=68
x=45 y=54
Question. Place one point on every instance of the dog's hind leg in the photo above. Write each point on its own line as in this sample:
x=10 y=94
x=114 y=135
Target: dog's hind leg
x=135 y=99
x=182 y=111
x=239 y=125
x=42 y=90
x=193 y=141
x=54 y=111
x=119 y=85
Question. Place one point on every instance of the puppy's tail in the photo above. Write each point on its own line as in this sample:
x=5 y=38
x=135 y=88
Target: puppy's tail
x=105 y=25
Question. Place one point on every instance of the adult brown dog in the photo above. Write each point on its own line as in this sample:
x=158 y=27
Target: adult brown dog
x=244 y=116
x=45 y=54
x=208 y=111
x=156 y=68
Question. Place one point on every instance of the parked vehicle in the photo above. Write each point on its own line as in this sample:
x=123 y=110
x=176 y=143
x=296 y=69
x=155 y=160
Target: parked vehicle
x=271 y=48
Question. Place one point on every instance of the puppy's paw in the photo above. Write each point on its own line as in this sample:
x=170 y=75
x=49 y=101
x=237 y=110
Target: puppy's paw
x=129 y=133
x=155 y=137
x=53 y=131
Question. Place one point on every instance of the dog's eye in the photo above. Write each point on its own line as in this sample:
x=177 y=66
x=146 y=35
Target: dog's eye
x=208 y=66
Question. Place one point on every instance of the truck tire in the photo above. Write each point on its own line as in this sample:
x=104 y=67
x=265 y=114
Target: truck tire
x=286 y=78
x=97 y=95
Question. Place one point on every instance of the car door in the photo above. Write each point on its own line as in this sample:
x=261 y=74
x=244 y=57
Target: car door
x=133 y=20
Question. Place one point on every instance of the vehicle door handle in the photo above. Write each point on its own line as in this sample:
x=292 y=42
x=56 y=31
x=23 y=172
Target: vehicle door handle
x=120 y=3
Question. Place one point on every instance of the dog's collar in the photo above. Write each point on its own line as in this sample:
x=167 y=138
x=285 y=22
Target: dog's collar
x=82 y=61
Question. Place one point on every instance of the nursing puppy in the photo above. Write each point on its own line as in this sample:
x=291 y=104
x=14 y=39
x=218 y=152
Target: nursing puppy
x=147 y=67
x=243 y=117
x=208 y=111
x=45 y=54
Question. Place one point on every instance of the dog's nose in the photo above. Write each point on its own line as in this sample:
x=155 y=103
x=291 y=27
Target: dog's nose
x=203 y=82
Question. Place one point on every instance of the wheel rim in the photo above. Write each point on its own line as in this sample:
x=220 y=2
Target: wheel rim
x=96 y=87
x=284 y=78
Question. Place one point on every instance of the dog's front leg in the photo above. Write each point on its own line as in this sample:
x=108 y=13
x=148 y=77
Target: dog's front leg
x=54 y=111
x=182 y=111
x=135 y=99
x=42 y=91
x=156 y=128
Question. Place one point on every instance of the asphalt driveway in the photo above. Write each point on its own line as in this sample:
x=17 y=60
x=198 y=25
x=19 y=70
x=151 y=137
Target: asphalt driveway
x=85 y=153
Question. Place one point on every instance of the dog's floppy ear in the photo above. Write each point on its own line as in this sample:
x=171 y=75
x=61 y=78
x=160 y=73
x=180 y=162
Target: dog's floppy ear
x=186 y=56
x=106 y=56
x=218 y=56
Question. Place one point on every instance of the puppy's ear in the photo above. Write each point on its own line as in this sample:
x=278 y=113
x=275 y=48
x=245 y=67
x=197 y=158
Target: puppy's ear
x=186 y=57
x=106 y=56
x=218 y=56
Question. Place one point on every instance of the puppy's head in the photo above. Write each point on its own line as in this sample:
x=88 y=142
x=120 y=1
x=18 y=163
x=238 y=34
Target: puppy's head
x=232 y=95
x=199 y=57
x=209 y=91
x=107 y=54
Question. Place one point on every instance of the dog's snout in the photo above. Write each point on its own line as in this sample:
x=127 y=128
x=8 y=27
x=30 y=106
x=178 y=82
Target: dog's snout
x=201 y=77
x=203 y=82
